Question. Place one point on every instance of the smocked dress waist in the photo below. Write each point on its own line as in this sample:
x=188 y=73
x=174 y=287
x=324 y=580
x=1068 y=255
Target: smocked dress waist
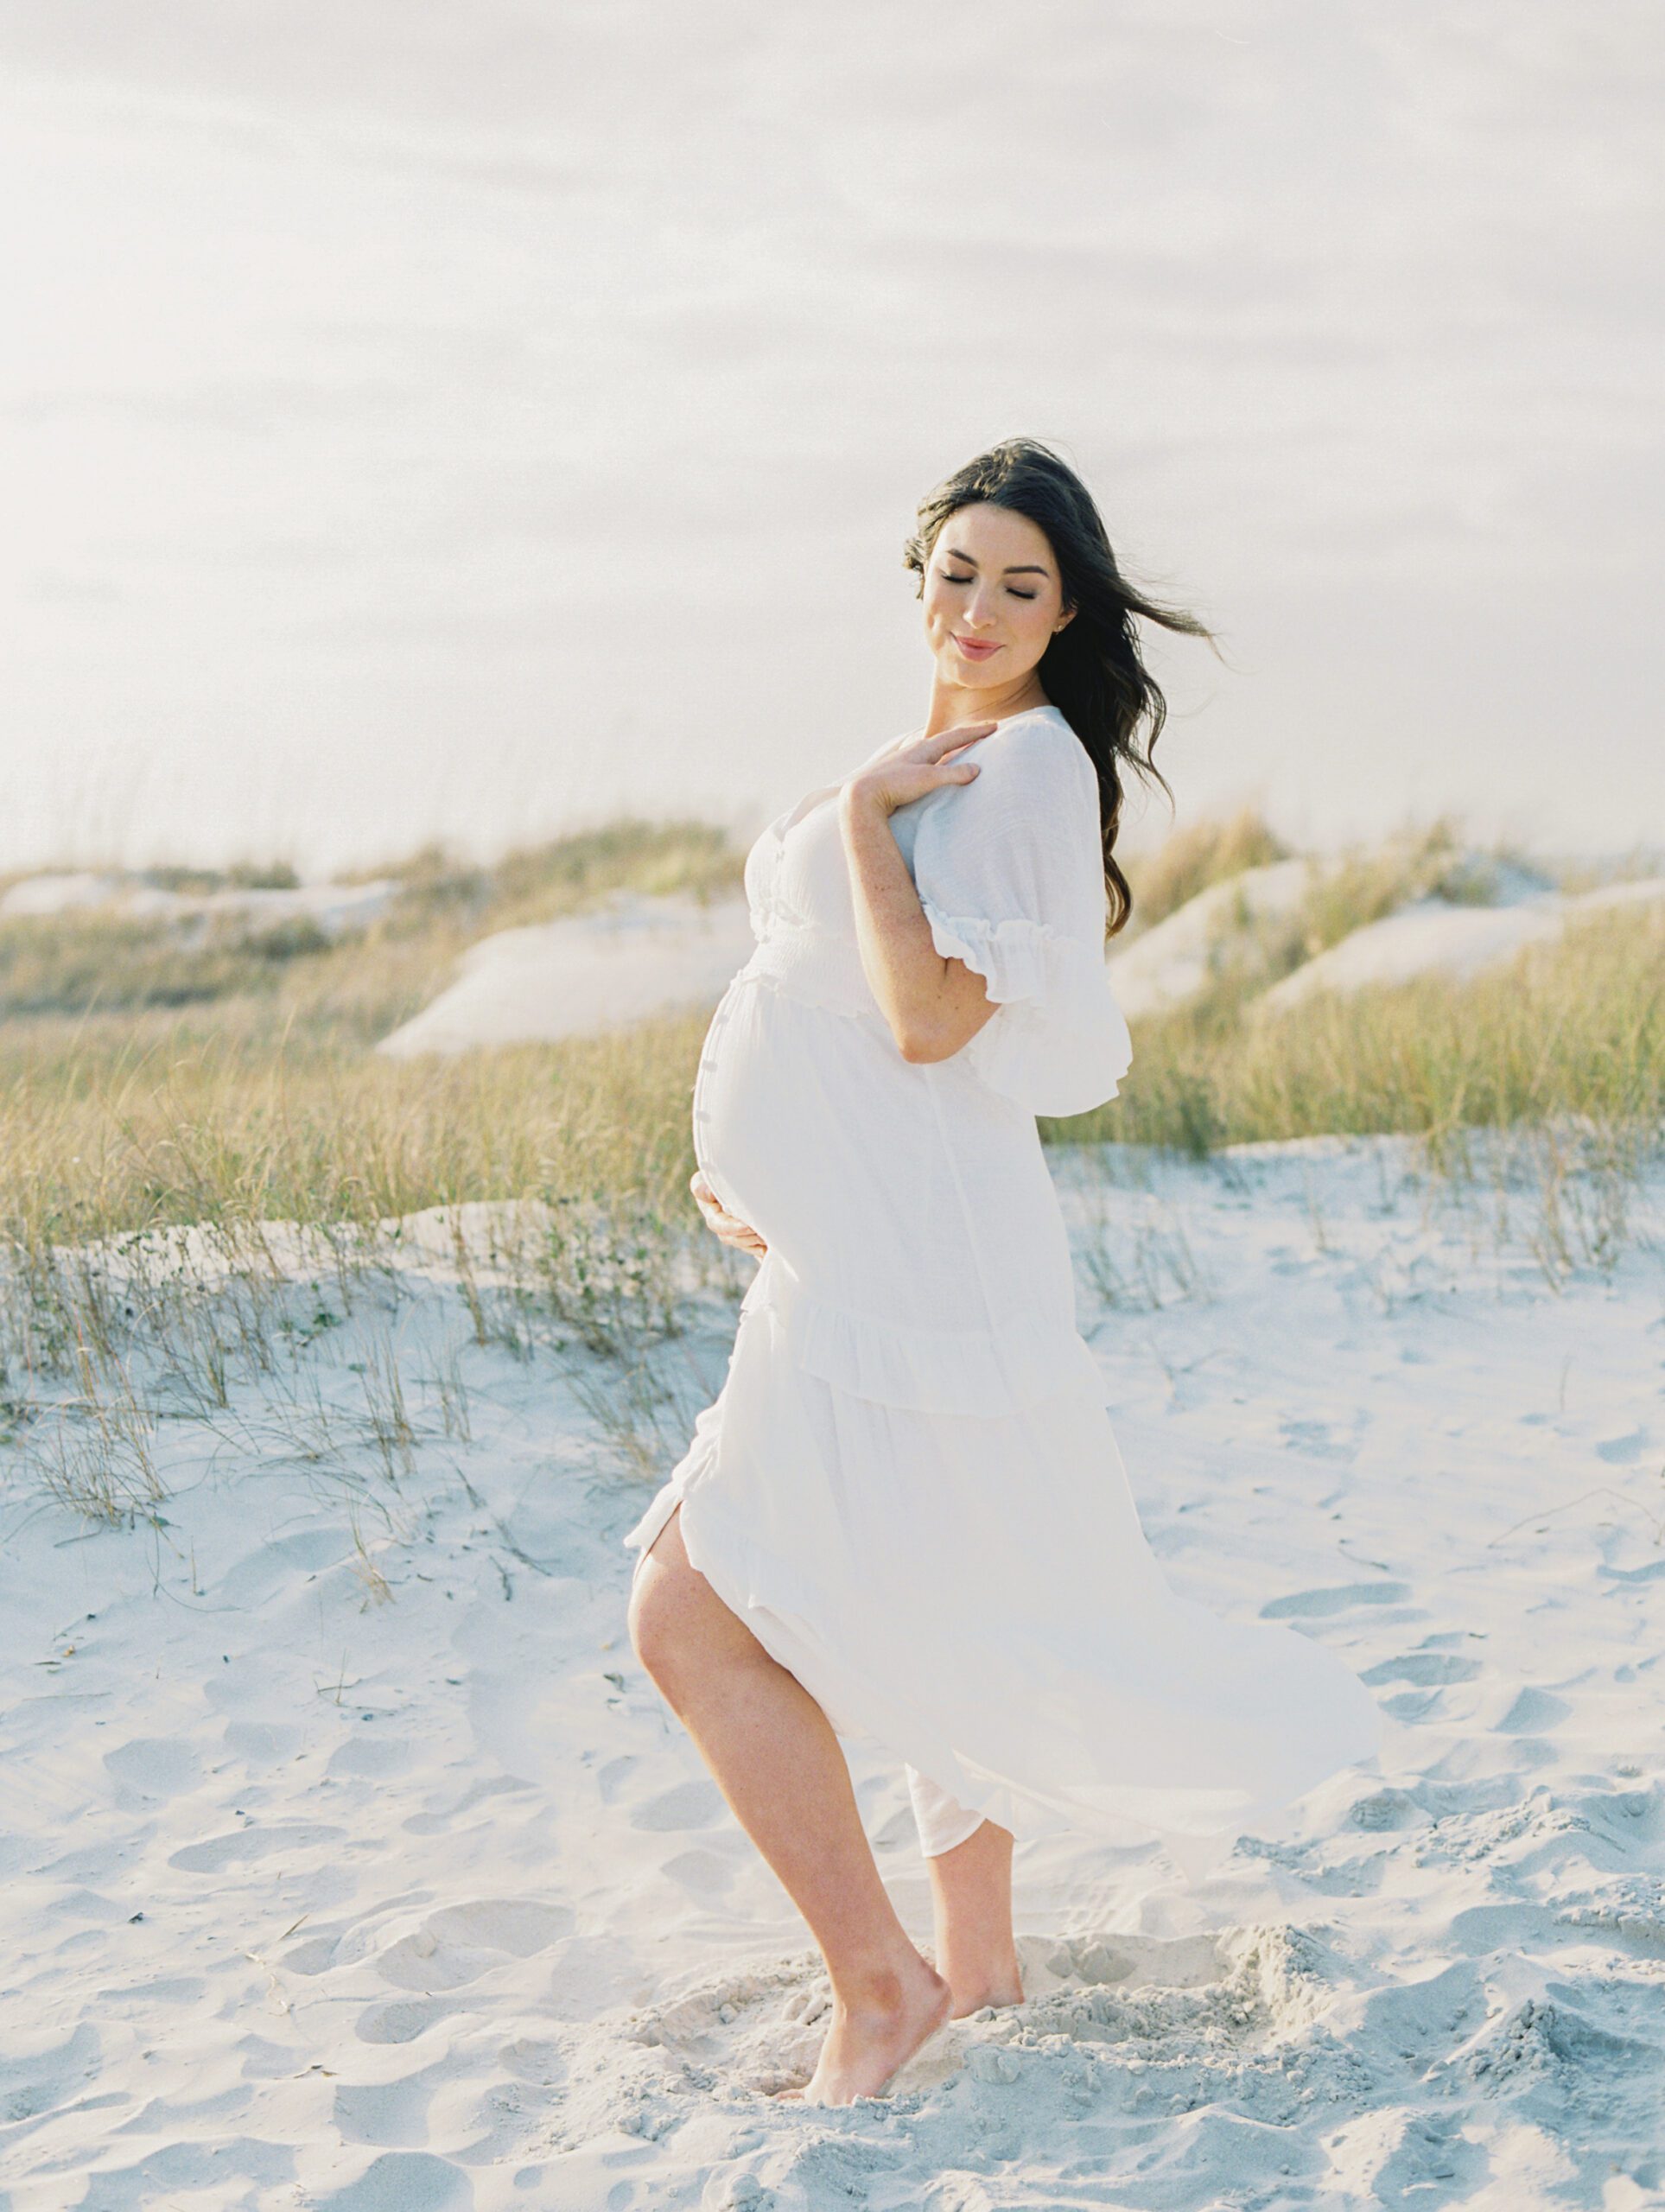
x=817 y=966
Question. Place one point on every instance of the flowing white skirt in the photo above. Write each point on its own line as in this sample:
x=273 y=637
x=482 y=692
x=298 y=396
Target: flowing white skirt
x=976 y=1594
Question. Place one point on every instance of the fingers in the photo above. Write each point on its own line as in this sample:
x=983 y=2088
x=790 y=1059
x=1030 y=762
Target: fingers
x=722 y=1224
x=727 y=1230
x=949 y=740
x=922 y=749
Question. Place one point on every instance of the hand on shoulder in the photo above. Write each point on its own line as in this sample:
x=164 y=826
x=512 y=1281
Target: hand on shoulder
x=915 y=766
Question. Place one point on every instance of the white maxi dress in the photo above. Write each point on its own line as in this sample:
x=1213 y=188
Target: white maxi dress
x=908 y=1486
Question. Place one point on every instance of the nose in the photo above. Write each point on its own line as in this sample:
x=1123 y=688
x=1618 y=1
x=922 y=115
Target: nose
x=976 y=616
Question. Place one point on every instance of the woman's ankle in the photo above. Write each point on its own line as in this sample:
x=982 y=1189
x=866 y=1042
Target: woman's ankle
x=984 y=1983
x=889 y=1986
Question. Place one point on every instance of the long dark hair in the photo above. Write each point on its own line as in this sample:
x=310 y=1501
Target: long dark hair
x=1092 y=671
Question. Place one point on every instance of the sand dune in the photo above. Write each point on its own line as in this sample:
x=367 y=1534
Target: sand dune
x=353 y=1862
x=637 y=955
x=334 y=907
x=1176 y=958
x=1220 y=932
x=1433 y=937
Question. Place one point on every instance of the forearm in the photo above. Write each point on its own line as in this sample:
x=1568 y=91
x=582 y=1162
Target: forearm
x=934 y=1005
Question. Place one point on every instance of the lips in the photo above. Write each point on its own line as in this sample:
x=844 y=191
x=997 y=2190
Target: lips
x=973 y=650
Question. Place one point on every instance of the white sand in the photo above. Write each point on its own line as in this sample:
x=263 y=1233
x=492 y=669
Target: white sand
x=319 y=1900
x=635 y=955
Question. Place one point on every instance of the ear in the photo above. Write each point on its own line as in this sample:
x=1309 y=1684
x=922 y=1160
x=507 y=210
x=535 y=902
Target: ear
x=1064 y=620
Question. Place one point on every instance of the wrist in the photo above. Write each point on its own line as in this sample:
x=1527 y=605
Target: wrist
x=862 y=801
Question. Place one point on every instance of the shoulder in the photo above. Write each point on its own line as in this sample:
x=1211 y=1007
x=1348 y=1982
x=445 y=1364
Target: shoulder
x=1035 y=786
x=1032 y=765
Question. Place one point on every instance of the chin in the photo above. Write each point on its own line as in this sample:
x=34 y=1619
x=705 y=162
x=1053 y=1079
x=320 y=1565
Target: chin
x=966 y=675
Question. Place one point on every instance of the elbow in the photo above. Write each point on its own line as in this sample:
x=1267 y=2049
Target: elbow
x=922 y=1047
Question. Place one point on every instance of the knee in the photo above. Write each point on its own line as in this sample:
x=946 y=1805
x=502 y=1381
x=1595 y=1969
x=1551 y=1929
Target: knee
x=684 y=1635
x=658 y=1624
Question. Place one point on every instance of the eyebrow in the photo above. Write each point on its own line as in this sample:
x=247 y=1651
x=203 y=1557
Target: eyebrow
x=955 y=554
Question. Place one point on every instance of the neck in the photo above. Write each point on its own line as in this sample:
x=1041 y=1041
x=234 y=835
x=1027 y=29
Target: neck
x=953 y=703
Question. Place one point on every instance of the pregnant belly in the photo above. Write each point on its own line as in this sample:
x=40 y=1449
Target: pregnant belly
x=787 y=1103
x=905 y=1192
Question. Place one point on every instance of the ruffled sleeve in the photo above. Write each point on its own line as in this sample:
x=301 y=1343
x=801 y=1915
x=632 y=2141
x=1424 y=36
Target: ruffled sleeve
x=1010 y=872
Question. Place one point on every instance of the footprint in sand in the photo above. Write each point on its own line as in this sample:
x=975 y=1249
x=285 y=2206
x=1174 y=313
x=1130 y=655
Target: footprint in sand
x=1532 y=1711
x=312 y=1955
x=460 y=1942
x=243 y=1845
x=154 y=1766
x=702 y=1874
x=686 y=1805
x=262 y=1743
x=30 y=2087
x=391 y=2115
x=1432 y=1673
x=279 y=1563
x=1316 y=1604
x=1428 y=1669
x=610 y=1779
x=404 y=2181
x=376 y=1757
x=401 y=2020
x=1622 y=1451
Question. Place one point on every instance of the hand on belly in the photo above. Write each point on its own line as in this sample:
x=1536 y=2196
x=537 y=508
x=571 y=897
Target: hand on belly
x=719 y=1221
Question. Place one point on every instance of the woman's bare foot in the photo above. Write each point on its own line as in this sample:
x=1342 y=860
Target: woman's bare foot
x=868 y=2044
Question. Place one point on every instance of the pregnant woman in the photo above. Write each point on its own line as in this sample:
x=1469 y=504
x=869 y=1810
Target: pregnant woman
x=905 y=1518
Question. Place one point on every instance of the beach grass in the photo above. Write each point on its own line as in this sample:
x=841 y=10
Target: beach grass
x=259 y=1098
x=1193 y=858
x=1569 y=1029
x=154 y=1137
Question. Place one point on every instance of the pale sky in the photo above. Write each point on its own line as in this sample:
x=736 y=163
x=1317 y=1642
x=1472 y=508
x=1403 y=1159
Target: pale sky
x=468 y=422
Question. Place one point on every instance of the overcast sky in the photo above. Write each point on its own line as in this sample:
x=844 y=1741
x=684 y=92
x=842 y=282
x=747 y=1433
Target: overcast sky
x=466 y=421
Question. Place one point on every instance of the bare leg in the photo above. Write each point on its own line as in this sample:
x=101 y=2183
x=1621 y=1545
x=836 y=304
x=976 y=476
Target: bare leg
x=776 y=1759
x=971 y=1899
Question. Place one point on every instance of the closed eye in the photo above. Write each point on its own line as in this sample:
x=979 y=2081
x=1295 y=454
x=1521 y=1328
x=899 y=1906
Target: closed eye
x=1016 y=593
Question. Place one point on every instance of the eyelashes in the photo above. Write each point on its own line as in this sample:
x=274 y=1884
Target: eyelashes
x=1012 y=589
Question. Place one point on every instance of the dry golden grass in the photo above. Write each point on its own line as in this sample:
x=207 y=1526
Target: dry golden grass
x=266 y=977
x=1193 y=859
x=108 y=1130
x=263 y=1102
x=1570 y=1028
x=267 y=1104
x=230 y=1088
